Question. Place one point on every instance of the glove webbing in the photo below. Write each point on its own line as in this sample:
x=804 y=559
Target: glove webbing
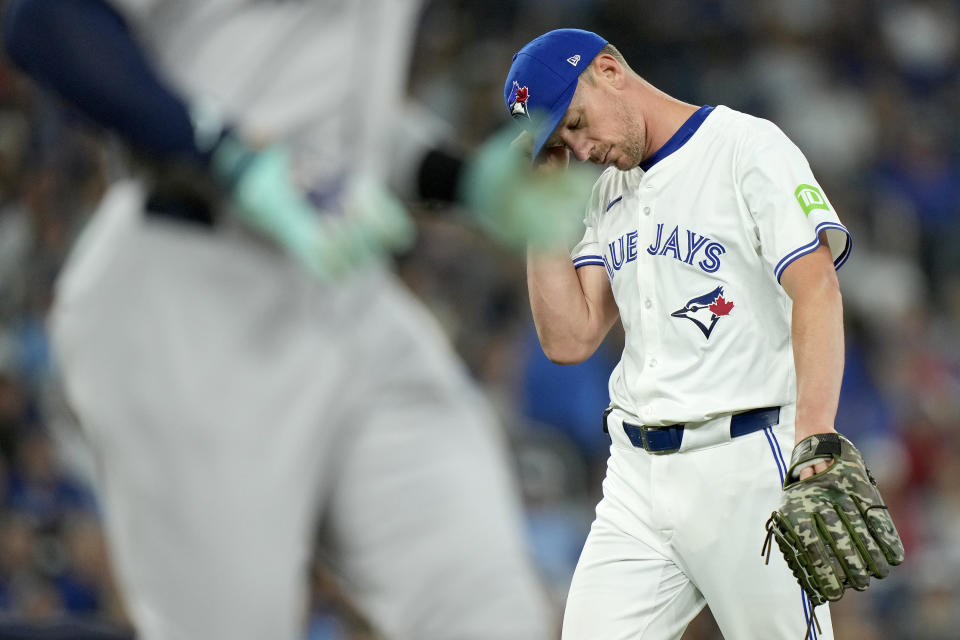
x=765 y=551
x=807 y=578
x=821 y=446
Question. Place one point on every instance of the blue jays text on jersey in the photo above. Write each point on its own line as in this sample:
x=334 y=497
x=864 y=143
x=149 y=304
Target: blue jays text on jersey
x=624 y=249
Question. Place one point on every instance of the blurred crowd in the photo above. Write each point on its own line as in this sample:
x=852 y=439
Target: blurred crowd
x=868 y=89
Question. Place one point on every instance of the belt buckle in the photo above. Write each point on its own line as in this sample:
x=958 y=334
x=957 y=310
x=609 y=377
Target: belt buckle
x=644 y=429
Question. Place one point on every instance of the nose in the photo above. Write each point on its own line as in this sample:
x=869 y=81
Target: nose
x=578 y=145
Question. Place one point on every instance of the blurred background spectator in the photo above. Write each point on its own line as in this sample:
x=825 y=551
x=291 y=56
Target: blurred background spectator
x=868 y=89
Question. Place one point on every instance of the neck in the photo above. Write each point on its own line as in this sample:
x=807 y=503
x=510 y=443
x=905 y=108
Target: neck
x=664 y=115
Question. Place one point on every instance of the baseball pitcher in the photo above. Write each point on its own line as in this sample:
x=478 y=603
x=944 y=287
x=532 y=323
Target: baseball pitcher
x=710 y=239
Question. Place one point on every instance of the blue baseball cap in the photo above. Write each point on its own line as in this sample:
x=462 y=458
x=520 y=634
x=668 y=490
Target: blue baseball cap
x=543 y=79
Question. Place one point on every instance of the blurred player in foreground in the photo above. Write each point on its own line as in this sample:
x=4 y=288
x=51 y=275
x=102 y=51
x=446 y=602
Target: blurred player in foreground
x=710 y=239
x=245 y=367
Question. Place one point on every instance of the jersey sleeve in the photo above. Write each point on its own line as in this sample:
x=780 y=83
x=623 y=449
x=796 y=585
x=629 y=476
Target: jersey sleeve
x=86 y=52
x=588 y=251
x=785 y=201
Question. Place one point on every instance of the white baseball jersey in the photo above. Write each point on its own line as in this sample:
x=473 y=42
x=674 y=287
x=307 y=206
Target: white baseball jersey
x=694 y=242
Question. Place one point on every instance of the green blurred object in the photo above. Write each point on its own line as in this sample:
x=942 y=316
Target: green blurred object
x=370 y=223
x=520 y=205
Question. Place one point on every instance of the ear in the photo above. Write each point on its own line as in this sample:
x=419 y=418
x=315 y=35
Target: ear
x=554 y=158
x=607 y=67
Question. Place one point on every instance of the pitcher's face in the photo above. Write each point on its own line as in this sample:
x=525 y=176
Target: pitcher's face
x=598 y=126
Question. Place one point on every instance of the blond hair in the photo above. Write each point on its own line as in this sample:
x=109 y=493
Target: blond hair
x=611 y=51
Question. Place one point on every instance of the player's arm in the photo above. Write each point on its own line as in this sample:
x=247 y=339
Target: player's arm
x=818 y=349
x=573 y=309
x=84 y=50
x=832 y=525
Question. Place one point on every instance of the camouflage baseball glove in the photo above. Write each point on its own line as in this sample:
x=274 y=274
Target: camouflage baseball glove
x=833 y=527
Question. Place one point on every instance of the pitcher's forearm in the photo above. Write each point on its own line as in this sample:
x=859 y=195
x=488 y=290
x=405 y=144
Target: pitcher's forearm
x=571 y=321
x=818 y=348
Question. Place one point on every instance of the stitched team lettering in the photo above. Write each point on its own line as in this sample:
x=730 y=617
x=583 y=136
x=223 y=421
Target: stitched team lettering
x=685 y=246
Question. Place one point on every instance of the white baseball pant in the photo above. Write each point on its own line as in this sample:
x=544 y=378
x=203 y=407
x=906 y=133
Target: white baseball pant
x=679 y=531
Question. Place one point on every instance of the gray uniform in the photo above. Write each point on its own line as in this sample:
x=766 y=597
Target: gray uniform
x=235 y=405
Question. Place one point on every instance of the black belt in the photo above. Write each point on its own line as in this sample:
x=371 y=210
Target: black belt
x=182 y=207
x=667 y=439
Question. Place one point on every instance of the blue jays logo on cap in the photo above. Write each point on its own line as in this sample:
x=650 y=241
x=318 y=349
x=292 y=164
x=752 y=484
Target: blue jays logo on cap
x=517 y=101
x=705 y=310
x=543 y=78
